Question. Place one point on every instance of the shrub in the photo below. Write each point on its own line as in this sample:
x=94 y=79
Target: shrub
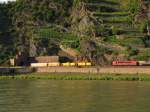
x=115 y=30
x=133 y=52
x=101 y=30
x=143 y=27
x=143 y=57
x=146 y=40
x=134 y=6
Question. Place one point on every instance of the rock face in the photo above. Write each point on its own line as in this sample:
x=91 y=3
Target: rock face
x=143 y=14
x=82 y=21
x=101 y=30
x=93 y=53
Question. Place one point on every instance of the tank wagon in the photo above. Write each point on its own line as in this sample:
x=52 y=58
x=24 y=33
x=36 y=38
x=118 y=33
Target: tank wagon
x=67 y=64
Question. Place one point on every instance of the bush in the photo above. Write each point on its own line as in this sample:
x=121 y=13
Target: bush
x=143 y=27
x=145 y=57
x=101 y=30
x=146 y=40
x=134 y=6
x=71 y=40
x=115 y=30
x=133 y=52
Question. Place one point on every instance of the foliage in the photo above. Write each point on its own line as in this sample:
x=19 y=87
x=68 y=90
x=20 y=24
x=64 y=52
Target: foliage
x=115 y=30
x=133 y=52
x=126 y=42
x=145 y=57
x=67 y=39
x=41 y=26
x=74 y=76
x=146 y=40
x=134 y=6
x=143 y=26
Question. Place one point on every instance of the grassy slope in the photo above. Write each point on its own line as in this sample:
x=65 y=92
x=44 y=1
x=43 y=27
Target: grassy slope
x=115 y=13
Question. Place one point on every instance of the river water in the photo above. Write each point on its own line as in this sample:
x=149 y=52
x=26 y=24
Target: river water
x=74 y=96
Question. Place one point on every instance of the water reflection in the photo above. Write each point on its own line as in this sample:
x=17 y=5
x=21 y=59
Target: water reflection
x=73 y=96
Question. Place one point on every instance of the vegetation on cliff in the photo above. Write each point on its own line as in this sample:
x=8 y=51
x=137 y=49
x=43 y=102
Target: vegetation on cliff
x=100 y=30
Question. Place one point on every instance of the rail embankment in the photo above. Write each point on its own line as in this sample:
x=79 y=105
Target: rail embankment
x=99 y=70
x=15 y=70
x=74 y=73
x=67 y=70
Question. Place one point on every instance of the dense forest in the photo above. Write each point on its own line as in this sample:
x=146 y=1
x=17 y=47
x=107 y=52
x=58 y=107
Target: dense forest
x=97 y=30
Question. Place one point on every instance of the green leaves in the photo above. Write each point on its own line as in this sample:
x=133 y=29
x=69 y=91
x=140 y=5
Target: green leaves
x=65 y=38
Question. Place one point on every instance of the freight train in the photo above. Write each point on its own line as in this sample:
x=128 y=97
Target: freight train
x=131 y=63
x=67 y=64
x=89 y=64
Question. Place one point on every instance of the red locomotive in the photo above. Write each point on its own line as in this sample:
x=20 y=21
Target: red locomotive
x=125 y=63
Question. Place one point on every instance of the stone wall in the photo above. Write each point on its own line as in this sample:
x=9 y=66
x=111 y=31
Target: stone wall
x=101 y=70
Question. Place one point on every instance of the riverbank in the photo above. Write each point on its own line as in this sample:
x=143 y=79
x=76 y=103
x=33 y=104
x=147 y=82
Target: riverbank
x=96 y=70
x=74 y=70
x=75 y=73
x=47 y=76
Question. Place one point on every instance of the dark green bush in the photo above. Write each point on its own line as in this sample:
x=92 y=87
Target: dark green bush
x=146 y=40
x=133 y=52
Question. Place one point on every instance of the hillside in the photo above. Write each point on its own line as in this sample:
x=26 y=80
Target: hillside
x=100 y=30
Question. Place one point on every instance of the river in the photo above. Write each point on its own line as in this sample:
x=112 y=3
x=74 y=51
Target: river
x=74 y=96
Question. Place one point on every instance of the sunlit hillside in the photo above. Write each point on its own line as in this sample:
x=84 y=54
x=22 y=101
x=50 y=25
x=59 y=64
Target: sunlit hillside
x=97 y=30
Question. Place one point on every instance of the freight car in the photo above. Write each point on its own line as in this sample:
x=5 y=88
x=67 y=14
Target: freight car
x=67 y=64
x=53 y=64
x=144 y=63
x=38 y=65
